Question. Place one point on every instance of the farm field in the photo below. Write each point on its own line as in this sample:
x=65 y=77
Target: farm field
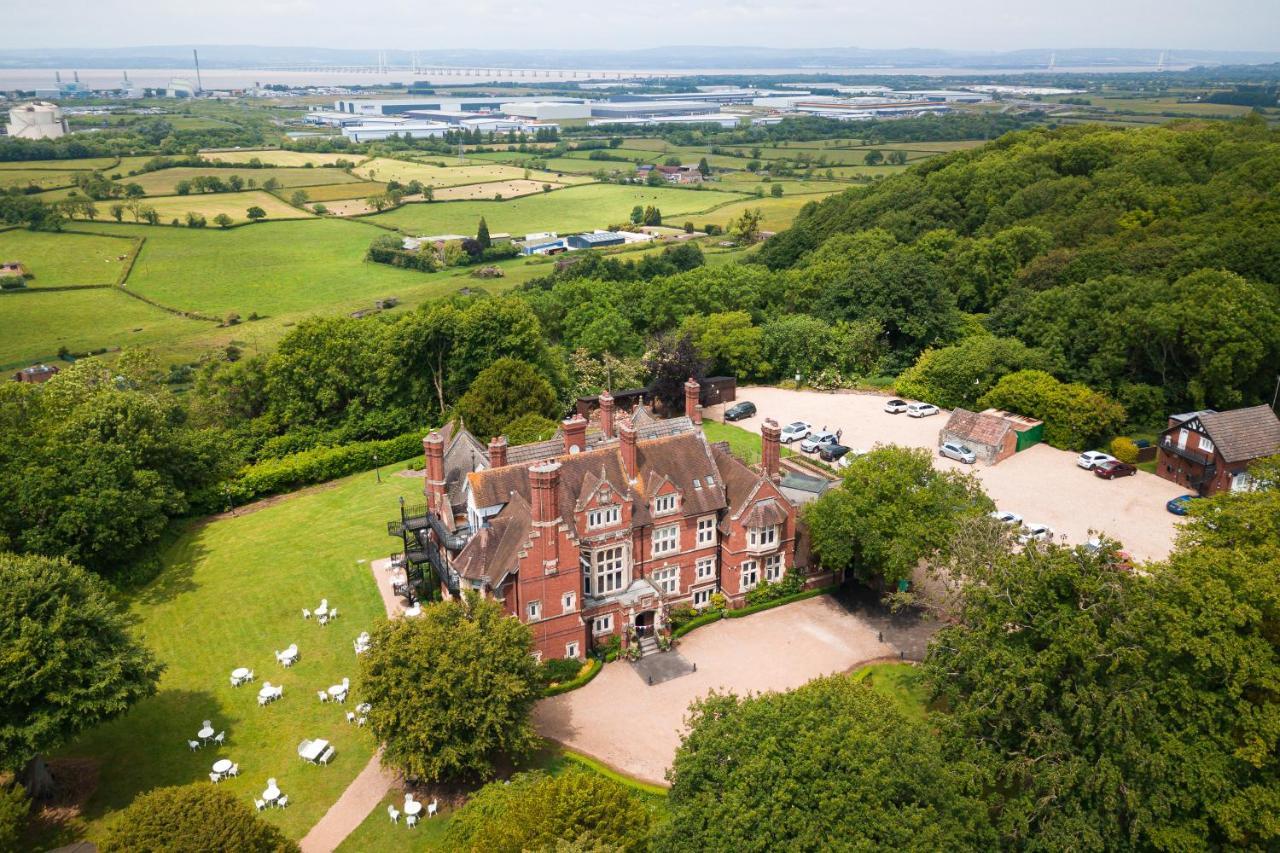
x=574 y=208
x=66 y=258
x=747 y=182
x=34 y=324
x=36 y=177
x=210 y=205
x=777 y=213
x=207 y=613
x=88 y=163
x=629 y=153
x=354 y=189
x=274 y=157
x=507 y=189
x=165 y=181
x=383 y=169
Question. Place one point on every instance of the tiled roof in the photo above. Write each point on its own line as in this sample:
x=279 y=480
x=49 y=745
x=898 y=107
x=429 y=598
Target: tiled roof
x=495 y=549
x=740 y=482
x=1243 y=434
x=978 y=427
x=463 y=454
x=765 y=513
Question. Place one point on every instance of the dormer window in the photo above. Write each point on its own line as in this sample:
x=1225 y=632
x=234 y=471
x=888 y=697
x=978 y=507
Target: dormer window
x=604 y=516
x=664 y=504
x=762 y=538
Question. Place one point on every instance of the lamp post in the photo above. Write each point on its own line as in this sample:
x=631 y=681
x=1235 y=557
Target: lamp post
x=226 y=490
x=376 y=469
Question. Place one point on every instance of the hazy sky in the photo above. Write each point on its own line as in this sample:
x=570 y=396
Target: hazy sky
x=568 y=24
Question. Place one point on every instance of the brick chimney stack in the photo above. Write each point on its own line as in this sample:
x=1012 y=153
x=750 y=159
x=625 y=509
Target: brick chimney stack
x=575 y=434
x=498 y=451
x=627 y=445
x=606 y=414
x=544 y=488
x=691 y=407
x=771 y=447
x=435 y=487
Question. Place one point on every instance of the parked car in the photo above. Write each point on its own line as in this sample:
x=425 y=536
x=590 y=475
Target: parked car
x=895 y=407
x=1006 y=517
x=832 y=452
x=1090 y=459
x=816 y=439
x=1035 y=532
x=845 y=459
x=960 y=453
x=921 y=410
x=740 y=410
x=795 y=431
x=1179 y=505
x=1120 y=559
x=1114 y=468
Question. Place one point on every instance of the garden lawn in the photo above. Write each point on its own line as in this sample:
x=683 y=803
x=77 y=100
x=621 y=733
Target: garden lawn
x=900 y=683
x=743 y=443
x=61 y=259
x=35 y=324
x=567 y=210
x=272 y=157
x=231 y=591
x=165 y=181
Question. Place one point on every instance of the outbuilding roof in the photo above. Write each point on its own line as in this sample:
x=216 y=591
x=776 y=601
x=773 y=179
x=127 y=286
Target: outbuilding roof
x=978 y=427
x=1243 y=434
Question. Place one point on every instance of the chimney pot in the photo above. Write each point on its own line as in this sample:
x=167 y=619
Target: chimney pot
x=627 y=445
x=575 y=434
x=606 y=414
x=771 y=447
x=498 y=451
x=691 y=408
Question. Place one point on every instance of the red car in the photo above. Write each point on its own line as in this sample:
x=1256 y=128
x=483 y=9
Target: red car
x=1114 y=468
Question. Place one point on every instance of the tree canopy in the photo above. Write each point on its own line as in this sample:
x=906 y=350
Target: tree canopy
x=451 y=690
x=505 y=391
x=534 y=811
x=198 y=818
x=829 y=765
x=67 y=659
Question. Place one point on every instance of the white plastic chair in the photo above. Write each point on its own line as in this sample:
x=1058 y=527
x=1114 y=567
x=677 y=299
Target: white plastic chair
x=259 y=804
x=351 y=716
x=235 y=682
x=323 y=619
x=234 y=771
x=215 y=778
x=263 y=700
x=250 y=676
x=326 y=755
x=193 y=745
x=283 y=801
x=333 y=613
x=432 y=807
x=393 y=814
x=411 y=820
x=360 y=721
x=306 y=614
x=322 y=696
x=220 y=738
x=279 y=691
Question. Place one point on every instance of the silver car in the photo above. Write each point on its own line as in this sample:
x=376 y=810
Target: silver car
x=816 y=439
x=794 y=432
x=1032 y=532
x=960 y=453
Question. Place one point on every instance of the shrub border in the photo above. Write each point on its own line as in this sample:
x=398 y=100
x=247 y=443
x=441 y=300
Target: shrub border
x=617 y=776
x=708 y=618
x=574 y=684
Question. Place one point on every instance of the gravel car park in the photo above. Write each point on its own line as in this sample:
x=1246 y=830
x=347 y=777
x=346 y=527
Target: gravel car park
x=1040 y=483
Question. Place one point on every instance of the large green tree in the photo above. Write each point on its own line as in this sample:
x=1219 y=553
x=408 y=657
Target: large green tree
x=535 y=811
x=892 y=510
x=505 y=391
x=959 y=374
x=68 y=661
x=200 y=818
x=451 y=690
x=830 y=765
x=1075 y=417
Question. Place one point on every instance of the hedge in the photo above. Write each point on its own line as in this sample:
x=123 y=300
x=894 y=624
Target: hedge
x=319 y=465
x=594 y=667
x=708 y=618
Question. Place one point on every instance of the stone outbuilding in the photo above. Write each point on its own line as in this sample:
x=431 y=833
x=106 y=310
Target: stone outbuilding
x=992 y=434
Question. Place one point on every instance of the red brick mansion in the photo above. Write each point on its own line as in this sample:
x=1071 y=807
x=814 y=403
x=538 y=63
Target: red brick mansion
x=602 y=529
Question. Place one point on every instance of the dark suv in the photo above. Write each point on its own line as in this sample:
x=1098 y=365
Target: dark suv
x=738 y=411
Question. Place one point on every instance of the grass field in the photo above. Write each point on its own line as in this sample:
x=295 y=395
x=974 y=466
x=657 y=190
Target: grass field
x=165 y=181
x=36 y=177
x=65 y=259
x=507 y=189
x=279 y=158
x=211 y=204
x=230 y=593
x=574 y=208
x=64 y=165
x=900 y=683
x=777 y=213
x=35 y=323
x=747 y=182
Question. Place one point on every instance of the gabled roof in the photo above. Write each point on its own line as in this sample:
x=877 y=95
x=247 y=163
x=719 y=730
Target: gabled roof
x=978 y=427
x=463 y=454
x=1243 y=434
x=740 y=482
x=495 y=550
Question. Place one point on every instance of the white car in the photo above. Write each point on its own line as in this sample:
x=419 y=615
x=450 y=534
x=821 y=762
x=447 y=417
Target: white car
x=1091 y=459
x=795 y=432
x=921 y=410
x=1035 y=532
x=1006 y=517
x=816 y=439
x=960 y=453
x=848 y=459
x=895 y=407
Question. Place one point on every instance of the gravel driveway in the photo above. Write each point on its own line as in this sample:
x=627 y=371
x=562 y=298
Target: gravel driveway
x=635 y=728
x=1041 y=484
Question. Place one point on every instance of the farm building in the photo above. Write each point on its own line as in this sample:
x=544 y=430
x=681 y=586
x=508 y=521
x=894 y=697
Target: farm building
x=991 y=434
x=13 y=269
x=596 y=240
x=1211 y=452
